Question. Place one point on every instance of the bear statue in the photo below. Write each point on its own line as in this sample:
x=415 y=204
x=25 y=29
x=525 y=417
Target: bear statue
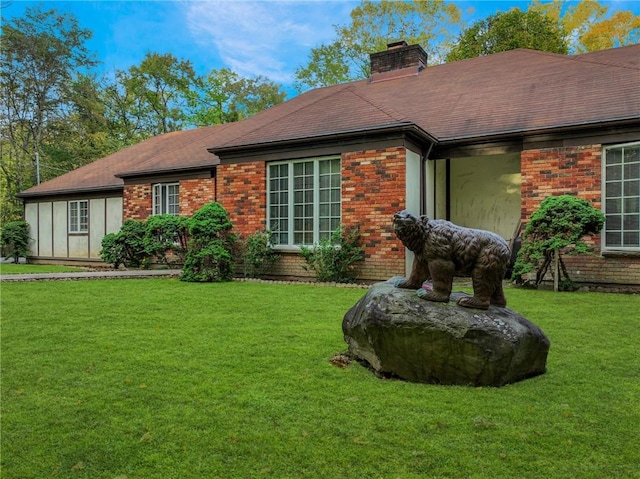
x=443 y=250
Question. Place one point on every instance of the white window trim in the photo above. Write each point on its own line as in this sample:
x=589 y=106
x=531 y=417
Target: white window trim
x=79 y=227
x=164 y=187
x=603 y=244
x=291 y=247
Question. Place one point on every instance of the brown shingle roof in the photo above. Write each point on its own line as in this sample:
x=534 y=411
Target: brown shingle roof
x=507 y=93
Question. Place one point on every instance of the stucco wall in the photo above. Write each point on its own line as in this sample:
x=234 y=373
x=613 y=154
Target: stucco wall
x=485 y=193
x=48 y=228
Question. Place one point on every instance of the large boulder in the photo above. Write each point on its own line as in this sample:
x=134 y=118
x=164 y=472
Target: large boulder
x=398 y=333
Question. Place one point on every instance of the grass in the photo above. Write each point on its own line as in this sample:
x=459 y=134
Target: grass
x=163 y=379
x=13 y=268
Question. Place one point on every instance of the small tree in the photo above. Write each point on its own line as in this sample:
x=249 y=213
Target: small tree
x=334 y=258
x=14 y=239
x=209 y=256
x=555 y=228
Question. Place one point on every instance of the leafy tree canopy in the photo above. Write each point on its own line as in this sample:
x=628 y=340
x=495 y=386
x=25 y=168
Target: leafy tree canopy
x=373 y=25
x=588 y=25
x=508 y=31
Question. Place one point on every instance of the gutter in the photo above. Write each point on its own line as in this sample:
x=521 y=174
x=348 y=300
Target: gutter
x=559 y=128
x=406 y=127
x=70 y=191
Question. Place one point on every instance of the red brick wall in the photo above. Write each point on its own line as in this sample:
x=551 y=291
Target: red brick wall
x=242 y=191
x=194 y=194
x=373 y=189
x=574 y=171
x=137 y=202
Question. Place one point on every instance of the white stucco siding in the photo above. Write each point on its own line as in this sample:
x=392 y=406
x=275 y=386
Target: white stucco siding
x=59 y=229
x=113 y=215
x=31 y=217
x=485 y=193
x=97 y=225
x=45 y=229
x=78 y=246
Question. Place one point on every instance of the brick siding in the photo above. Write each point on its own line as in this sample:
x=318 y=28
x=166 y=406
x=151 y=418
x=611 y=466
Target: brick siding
x=574 y=171
x=196 y=193
x=373 y=189
x=243 y=193
x=137 y=202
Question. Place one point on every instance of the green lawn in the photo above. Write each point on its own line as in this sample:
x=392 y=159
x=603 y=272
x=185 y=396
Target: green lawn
x=163 y=379
x=12 y=268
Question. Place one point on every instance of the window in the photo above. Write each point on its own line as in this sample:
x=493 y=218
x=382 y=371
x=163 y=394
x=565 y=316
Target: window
x=621 y=197
x=166 y=199
x=78 y=216
x=304 y=200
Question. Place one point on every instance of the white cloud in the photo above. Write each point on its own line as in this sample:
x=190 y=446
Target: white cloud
x=269 y=38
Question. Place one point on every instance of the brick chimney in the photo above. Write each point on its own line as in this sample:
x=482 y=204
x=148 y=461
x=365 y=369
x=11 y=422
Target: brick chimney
x=399 y=60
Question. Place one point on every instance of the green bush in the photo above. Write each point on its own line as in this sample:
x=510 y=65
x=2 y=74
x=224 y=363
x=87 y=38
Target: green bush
x=127 y=246
x=112 y=251
x=556 y=227
x=258 y=256
x=209 y=255
x=211 y=262
x=334 y=259
x=14 y=239
x=166 y=234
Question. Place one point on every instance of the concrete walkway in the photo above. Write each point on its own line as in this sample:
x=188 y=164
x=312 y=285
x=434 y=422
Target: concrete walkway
x=106 y=274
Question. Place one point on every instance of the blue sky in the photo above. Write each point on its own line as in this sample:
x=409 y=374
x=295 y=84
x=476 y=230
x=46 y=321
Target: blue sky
x=269 y=38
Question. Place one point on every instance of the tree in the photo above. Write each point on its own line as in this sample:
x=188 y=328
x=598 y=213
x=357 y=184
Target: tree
x=508 y=31
x=158 y=92
x=223 y=96
x=40 y=54
x=373 y=25
x=555 y=228
x=587 y=26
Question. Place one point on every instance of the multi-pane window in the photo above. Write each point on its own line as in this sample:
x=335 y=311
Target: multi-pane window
x=304 y=200
x=621 y=197
x=166 y=198
x=78 y=216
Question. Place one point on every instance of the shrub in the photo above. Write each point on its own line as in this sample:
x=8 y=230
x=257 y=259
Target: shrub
x=14 y=239
x=167 y=234
x=334 y=258
x=555 y=228
x=211 y=262
x=259 y=256
x=209 y=255
x=112 y=251
x=126 y=247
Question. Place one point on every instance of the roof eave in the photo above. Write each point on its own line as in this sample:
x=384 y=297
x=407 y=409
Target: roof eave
x=158 y=171
x=402 y=127
x=70 y=191
x=519 y=132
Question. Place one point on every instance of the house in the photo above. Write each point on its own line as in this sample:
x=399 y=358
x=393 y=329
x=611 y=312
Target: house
x=480 y=142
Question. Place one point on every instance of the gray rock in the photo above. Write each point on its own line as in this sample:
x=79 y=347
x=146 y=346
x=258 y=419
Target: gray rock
x=398 y=333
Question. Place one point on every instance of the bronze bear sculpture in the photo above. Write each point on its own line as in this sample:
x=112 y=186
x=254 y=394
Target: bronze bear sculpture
x=443 y=250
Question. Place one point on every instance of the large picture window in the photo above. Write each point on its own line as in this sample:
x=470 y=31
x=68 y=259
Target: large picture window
x=79 y=216
x=166 y=197
x=621 y=197
x=304 y=200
